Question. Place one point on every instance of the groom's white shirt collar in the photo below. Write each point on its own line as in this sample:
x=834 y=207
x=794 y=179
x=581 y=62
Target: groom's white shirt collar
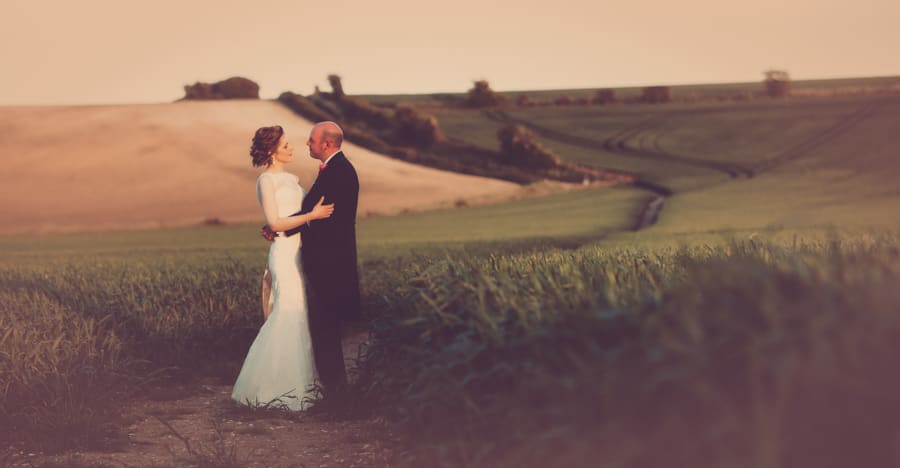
x=329 y=157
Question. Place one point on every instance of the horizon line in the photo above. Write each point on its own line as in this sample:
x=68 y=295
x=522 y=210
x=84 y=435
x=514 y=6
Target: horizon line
x=514 y=90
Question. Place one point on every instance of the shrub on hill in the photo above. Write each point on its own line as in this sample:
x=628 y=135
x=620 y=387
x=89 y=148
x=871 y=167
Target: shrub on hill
x=777 y=83
x=327 y=104
x=359 y=109
x=232 y=88
x=237 y=88
x=368 y=125
x=481 y=95
x=377 y=126
x=413 y=127
x=337 y=88
x=519 y=146
x=198 y=90
x=305 y=107
x=524 y=100
x=317 y=109
x=308 y=109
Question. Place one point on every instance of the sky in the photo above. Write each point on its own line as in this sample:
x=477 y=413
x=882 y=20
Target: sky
x=61 y=52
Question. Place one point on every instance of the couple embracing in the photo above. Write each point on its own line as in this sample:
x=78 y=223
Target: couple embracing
x=313 y=287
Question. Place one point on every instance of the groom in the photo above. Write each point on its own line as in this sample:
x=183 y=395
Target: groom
x=328 y=253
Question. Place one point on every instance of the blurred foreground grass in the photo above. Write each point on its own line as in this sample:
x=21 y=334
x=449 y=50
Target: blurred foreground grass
x=773 y=350
x=744 y=354
x=79 y=336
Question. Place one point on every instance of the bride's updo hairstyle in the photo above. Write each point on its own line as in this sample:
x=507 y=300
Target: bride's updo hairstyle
x=265 y=142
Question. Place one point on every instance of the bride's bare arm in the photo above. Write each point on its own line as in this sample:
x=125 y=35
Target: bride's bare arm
x=270 y=209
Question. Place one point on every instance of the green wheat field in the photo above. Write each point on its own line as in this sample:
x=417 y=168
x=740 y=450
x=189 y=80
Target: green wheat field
x=755 y=324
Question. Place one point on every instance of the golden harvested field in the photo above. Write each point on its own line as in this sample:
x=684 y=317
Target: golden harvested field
x=163 y=165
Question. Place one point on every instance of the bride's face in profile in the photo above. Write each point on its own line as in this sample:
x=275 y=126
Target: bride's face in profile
x=284 y=152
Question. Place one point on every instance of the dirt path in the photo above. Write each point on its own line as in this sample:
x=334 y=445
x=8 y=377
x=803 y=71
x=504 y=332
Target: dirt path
x=200 y=425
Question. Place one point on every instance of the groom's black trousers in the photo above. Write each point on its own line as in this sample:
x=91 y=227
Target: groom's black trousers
x=325 y=331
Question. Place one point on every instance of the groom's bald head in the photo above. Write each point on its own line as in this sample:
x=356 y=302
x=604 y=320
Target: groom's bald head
x=330 y=132
x=325 y=139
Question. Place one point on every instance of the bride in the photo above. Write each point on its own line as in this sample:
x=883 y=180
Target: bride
x=279 y=369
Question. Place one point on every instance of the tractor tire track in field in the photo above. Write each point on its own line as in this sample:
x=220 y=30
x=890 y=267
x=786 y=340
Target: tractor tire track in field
x=630 y=141
x=815 y=141
x=622 y=143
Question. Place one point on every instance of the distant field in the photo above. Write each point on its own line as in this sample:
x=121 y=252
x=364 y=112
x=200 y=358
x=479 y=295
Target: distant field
x=559 y=217
x=765 y=164
x=686 y=146
x=691 y=91
x=794 y=165
x=735 y=168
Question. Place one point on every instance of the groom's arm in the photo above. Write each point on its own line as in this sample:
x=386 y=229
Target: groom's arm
x=300 y=228
x=337 y=190
x=315 y=193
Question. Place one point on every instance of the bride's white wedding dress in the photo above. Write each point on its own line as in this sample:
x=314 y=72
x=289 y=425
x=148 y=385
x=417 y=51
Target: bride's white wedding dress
x=279 y=369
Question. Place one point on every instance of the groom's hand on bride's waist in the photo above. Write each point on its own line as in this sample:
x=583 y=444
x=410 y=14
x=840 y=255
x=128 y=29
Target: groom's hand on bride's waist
x=267 y=233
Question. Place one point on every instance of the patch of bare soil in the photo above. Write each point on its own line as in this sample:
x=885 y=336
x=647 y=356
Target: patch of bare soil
x=204 y=427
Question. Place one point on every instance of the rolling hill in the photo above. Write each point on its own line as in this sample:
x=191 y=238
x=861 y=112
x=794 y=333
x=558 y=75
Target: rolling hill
x=159 y=165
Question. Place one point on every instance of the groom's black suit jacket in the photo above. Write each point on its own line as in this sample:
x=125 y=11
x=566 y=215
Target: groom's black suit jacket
x=329 y=245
